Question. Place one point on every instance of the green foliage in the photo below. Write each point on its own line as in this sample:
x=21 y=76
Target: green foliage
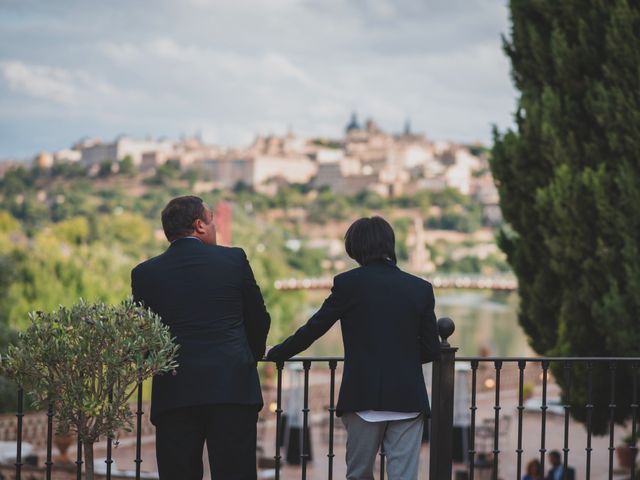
x=78 y=257
x=8 y=388
x=449 y=198
x=321 y=142
x=369 y=200
x=192 y=176
x=127 y=166
x=420 y=200
x=478 y=150
x=569 y=182
x=8 y=224
x=464 y=265
x=328 y=206
x=27 y=209
x=17 y=180
x=306 y=260
x=105 y=168
x=72 y=231
x=165 y=173
x=68 y=170
x=457 y=219
x=87 y=361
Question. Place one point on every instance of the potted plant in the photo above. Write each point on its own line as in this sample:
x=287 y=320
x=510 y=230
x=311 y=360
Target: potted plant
x=625 y=453
x=87 y=361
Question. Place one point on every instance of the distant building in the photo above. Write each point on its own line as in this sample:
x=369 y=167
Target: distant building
x=229 y=170
x=67 y=155
x=353 y=124
x=270 y=159
x=456 y=167
x=43 y=161
x=292 y=169
x=94 y=152
x=485 y=192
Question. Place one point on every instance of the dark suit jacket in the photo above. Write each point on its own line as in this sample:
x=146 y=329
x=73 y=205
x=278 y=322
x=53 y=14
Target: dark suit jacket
x=571 y=473
x=208 y=297
x=388 y=330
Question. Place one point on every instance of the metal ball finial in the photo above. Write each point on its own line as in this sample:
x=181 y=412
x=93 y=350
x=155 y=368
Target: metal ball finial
x=446 y=327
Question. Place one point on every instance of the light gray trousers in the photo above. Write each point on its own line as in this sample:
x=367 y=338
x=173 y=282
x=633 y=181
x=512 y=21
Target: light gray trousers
x=400 y=439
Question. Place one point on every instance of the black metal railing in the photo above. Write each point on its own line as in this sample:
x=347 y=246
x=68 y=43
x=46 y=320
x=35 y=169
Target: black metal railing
x=567 y=365
x=487 y=463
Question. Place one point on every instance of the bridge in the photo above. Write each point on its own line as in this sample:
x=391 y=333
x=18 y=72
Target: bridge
x=456 y=281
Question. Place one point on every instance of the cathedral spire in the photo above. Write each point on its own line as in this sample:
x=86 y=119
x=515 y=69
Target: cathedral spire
x=353 y=123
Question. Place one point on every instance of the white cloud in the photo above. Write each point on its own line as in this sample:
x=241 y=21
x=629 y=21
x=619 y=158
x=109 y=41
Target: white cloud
x=269 y=64
x=67 y=87
x=382 y=8
x=278 y=63
x=55 y=84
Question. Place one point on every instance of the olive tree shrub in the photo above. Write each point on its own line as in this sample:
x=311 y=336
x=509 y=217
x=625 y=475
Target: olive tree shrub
x=87 y=361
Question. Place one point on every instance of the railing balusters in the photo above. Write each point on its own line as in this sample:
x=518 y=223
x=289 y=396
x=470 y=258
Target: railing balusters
x=109 y=460
x=521 y=366
x=19 y=415
x=305 y=420
x=48 y=463
x=589 y=408
x=612 y=412
x=543 y=409
x=496 y=426
x=567 y=408
x=332 y=411
x=277 y=457
x=443 y=381
x=472 y=430
x=139 y=414
x=634 y=418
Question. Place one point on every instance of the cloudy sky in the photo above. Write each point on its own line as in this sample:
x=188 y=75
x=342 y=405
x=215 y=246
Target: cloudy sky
x=234 y=68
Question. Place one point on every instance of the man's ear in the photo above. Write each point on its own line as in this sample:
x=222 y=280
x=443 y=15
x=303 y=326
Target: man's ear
x=198 y=226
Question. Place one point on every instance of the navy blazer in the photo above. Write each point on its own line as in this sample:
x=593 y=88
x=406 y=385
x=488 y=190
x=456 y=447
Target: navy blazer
x=388 y=330
x=208 y=297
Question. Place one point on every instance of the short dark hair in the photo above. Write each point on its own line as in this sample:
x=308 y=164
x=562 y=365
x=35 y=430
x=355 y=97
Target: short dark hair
x=555 y=454
x=370 y=239
x=180 y=214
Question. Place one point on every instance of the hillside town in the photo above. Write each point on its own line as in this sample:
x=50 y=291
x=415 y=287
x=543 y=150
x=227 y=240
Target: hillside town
x=366 y=158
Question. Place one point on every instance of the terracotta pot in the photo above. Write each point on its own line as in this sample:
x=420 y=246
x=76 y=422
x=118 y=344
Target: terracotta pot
x=626 y=456
x=62 y=443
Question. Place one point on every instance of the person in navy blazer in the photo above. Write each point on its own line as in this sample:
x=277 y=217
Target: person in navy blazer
x=208 y=297
x=389 y=330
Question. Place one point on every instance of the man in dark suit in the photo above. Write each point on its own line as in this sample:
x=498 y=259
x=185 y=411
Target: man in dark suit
x=557 y=469
x=388 y=330
x=208 y=297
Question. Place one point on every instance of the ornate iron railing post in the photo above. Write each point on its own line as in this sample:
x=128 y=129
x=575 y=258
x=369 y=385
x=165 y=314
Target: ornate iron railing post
x=441 y=438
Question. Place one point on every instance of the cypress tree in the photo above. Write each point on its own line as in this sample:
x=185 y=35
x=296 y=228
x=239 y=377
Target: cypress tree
x=569 y=183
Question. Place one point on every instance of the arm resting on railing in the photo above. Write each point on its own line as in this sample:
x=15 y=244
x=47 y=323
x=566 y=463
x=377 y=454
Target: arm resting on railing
x=317 y=326
x=429 y=340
